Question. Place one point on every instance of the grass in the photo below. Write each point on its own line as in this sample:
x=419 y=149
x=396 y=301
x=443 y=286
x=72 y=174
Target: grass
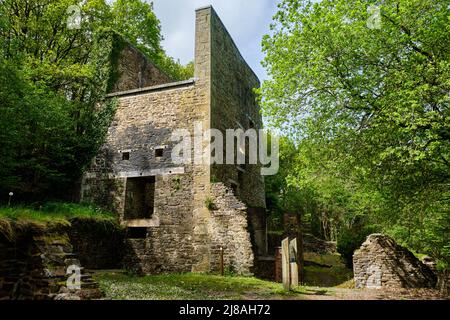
x=50 y=214
x=336 y=275
x=54 y=211
x=189 y=286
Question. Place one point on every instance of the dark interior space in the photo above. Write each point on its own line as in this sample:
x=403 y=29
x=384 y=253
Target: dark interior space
x=140 y=196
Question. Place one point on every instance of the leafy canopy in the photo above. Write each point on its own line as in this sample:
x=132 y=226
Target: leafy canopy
x=369 y=110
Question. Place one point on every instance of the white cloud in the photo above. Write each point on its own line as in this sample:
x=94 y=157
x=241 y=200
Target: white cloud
x=246 y=20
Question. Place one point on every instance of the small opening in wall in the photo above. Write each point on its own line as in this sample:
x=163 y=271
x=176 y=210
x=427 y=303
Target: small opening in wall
x=125 y=156
x=136 y=233
x=159 y=152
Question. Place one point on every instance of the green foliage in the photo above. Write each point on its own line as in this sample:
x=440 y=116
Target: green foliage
x=334 y=273
x=209 y=204
x=368 y=110
x=351 y=239
x=176 y=183
x=53 y=111
x=175 y=69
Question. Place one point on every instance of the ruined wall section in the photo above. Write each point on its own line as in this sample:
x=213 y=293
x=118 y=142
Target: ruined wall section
x=34 y=260
x=229 y=230
x=184 y=235
x=142 y=124
x=233 y=106
x=179 y=240
x=381 y=262
x=135 y=70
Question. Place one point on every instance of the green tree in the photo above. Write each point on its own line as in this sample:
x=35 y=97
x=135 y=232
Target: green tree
x=373 y=106
x=55 y=76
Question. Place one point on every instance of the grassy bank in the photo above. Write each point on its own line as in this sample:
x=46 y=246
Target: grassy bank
x=49 y=215
x=53 y=211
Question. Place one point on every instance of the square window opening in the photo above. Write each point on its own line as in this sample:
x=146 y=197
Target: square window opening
x=159 y=152
x=125 y=156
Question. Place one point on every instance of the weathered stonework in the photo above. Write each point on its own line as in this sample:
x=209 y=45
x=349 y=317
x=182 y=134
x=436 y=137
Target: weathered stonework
x=135 y=70
x=162 y=204
x=380 y=262
x=34 y=264
x=228 y=229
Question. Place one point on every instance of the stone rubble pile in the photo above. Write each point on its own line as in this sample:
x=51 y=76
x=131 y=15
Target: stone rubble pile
x=381 y=262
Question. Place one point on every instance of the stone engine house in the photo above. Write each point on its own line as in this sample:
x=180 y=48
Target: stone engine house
x=178 y=217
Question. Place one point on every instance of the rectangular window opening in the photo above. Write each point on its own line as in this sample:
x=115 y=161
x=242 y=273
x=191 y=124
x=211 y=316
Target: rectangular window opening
x=125 y=156
x=140 y=198
x=136 y=233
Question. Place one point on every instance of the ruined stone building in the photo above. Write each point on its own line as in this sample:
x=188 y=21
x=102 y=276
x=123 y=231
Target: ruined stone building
x=179 y=216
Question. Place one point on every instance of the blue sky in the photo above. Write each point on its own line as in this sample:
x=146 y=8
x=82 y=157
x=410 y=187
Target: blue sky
x=246 y=20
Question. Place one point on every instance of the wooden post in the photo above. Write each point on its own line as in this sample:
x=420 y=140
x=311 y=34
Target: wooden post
x=221 y=261
x=292 y=229
x=293 y=262
x=285 y=264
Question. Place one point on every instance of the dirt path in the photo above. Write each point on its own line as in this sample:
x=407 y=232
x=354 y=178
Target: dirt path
x=318 y=293
x=364 y=294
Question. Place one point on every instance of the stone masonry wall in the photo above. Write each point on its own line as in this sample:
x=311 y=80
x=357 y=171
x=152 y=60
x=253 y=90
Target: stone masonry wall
x=135 y=71
x=34 y=260
x=98 y=244
x=178 y=238
x=229 y=230
x=380 y=262
x=143 y=123
x=234 y=106
x=182 y=234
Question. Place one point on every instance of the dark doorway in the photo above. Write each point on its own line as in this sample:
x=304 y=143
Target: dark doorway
x=140 y=198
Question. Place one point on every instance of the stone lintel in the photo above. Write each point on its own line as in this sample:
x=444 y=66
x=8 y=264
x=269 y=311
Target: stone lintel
x=160 y=87
x=141 y=223
x=151 y=172
x=136 y=174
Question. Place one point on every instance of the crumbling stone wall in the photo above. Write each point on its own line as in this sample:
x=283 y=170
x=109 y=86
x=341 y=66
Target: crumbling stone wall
x=229 y=230
x=34 y=260
x=135 y=70
x=380 y=262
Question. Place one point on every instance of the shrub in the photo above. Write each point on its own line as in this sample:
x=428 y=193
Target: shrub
x=350 y=239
